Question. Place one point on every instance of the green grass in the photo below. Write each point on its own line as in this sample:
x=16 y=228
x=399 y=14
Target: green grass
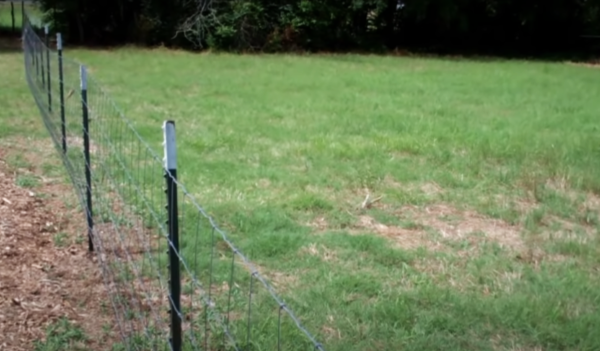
x=27 y=181
x=62 y=335
x=60 y=239
x=6 y=18
x=269 y=144
x=17 y=161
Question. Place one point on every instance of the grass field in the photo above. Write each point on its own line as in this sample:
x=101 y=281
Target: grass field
x=486 y=176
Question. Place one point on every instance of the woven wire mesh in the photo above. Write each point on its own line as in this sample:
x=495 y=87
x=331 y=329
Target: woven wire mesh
x=226 y=303
x=226 y=300
x=127 y=194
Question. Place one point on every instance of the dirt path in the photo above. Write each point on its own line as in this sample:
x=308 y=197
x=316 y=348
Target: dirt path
x=46 y=272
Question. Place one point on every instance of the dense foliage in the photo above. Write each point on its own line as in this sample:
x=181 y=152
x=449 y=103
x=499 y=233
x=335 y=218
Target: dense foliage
x=332 y=24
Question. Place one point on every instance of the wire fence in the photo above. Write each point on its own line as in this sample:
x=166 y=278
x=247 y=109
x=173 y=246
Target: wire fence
x=175 y=280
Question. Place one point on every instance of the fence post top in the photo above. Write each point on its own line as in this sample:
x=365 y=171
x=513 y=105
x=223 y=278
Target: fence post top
x=83 y=77
x=59 y=41
x=170 y=160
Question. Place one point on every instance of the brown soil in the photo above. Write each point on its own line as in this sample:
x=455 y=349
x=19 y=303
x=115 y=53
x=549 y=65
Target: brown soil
x=46 y=272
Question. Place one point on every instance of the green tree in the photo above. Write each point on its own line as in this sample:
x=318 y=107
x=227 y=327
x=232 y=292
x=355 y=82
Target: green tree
x=475 y=25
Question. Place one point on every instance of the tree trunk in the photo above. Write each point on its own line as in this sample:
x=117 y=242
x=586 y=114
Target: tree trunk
x=389 y=26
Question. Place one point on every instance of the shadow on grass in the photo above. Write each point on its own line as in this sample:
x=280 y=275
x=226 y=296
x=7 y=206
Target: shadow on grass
x=9 y=44
x=587 y=51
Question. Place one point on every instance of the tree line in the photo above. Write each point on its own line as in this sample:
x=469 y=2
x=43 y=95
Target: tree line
x=530 y=26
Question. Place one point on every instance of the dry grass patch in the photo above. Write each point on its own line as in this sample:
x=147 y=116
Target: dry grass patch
x=451 y=225
x=320 y=251
x=567 y=230
x=404 y=238
x=281 y=281
x=465 y=223
x=587 y=201
x=499 y=343
x=590 y=209
x=431 y=189
x=320 y=224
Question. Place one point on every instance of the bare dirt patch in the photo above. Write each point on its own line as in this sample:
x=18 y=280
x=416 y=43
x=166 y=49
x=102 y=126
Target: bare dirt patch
x=405 y=238
x=450 y=223
x=42 y=280
x=454 y=224
x=434 y=225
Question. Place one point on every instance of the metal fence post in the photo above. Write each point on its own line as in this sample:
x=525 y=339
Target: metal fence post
x=46 y=32
x=170 y=165
x=12 y=15
x=86 y=153
x=61 y=88
x=31 y=47
x=36 y=59
x=42 y=63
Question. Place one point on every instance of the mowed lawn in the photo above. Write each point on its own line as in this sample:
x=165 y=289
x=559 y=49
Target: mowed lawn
x=395 y=203
x=488 y=173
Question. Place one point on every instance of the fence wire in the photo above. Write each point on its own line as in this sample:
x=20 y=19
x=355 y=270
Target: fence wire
x=226 y=303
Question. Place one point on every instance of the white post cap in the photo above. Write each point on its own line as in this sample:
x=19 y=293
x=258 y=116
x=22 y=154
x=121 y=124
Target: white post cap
x=170 y=160
x=83 y=77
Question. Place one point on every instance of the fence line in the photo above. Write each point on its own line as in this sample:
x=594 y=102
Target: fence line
x=175 y=279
